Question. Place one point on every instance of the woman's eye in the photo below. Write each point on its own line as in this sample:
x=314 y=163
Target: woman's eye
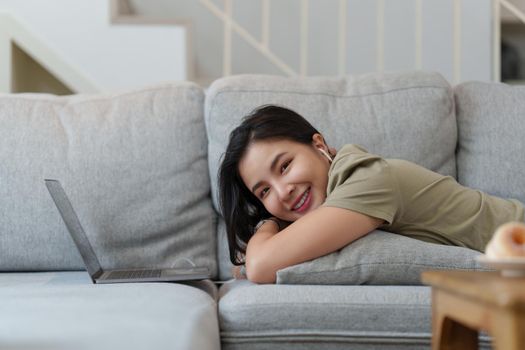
x=263 y=192
x=285 y=166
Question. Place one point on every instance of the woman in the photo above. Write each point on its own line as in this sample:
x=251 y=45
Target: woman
x=278 y=175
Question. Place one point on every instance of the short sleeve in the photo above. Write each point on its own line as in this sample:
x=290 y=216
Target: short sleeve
x=362 y=182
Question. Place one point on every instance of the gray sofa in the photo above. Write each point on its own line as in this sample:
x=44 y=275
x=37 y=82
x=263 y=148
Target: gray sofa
x=140 y=169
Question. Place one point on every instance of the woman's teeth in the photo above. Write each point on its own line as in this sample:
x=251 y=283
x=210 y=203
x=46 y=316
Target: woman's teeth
x=301 y=202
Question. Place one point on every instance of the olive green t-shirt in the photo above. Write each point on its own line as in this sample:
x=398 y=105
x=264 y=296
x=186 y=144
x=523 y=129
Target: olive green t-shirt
x=416 y=202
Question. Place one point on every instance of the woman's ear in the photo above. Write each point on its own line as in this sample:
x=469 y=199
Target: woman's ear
x=318 y=141
x=319 y=144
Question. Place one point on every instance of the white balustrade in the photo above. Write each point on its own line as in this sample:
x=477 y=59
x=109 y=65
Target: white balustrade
x=263 y=45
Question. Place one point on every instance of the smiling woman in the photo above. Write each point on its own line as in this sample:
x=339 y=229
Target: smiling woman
x=241 y=207
x=279 y=166
x=276 y=166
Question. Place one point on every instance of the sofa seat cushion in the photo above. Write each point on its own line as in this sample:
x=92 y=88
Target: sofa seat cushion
x=274 y=314
x=255 y=316
x=64 y=310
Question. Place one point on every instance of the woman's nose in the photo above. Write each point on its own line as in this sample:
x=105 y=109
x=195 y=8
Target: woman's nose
x=285 y=191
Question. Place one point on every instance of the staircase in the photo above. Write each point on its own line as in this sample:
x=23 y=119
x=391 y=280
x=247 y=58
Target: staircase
x=18 y=43
x=76 y=42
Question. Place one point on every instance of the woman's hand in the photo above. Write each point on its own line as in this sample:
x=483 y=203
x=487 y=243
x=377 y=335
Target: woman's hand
x=238 y=272
x=270 y=225
x=268 y=228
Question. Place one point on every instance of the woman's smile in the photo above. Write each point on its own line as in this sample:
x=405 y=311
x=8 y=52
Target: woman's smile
x=303 y=202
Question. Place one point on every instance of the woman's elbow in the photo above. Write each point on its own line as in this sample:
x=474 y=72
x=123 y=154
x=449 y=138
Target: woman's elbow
x=257 y=272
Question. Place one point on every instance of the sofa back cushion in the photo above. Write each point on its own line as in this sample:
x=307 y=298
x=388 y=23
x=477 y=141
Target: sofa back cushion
x=134 y=165
x=491 y=140
x=407 y=115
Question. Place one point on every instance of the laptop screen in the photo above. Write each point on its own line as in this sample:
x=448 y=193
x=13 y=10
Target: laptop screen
x=73 y=225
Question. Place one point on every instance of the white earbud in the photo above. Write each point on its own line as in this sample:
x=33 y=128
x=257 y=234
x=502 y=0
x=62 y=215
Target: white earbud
x=326 y=155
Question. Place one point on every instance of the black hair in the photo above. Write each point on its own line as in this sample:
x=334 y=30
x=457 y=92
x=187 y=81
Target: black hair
x=241 y=209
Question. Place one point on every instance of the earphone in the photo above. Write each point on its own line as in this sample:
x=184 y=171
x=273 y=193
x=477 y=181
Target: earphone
x=326 y=154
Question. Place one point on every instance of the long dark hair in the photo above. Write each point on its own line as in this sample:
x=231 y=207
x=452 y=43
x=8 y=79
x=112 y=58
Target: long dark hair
x=240 y=208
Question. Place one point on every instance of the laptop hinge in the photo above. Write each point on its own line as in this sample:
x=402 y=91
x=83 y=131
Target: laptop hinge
x=96 y=275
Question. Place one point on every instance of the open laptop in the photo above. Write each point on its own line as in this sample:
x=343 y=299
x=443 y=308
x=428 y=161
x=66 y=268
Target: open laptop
x=98 y=275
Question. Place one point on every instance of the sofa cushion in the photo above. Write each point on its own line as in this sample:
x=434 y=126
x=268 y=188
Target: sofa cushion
x=64 y=310
x=491 y=139
x=407 y=115
x=134 y=165
x=380 y=258
x=255 y=316
x=223 y=253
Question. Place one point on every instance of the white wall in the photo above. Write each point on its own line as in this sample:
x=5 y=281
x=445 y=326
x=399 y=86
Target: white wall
x=111 y=56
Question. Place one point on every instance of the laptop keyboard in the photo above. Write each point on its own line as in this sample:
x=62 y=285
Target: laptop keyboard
x=133 y=274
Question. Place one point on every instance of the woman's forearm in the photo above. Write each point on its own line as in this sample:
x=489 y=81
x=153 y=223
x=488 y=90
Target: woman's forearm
x=318 y=233
x=255 y=247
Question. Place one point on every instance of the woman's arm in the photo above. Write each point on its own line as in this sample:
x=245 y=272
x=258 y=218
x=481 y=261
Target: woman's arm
x=323 y=231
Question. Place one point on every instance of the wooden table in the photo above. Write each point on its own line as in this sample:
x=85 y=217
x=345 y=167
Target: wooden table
x=465 y=302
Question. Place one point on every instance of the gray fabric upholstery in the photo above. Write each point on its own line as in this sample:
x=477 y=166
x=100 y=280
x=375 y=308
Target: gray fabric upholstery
x=255 y=316
x=64 y=310
x=223 y=252
x=380 y=258
x=407 y=115
x=491 y=123
x=134 y=165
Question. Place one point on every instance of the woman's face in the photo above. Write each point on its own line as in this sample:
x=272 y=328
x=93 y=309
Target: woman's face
x=288 y=177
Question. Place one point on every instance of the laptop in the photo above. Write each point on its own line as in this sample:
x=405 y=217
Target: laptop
x=97 y=274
